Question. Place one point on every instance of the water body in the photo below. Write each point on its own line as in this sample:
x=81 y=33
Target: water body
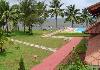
x=52 y=23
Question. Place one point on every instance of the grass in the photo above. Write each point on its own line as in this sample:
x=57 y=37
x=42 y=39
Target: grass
x=37 y=39
x=73 y=34
x=10 y=59
x=81 y=47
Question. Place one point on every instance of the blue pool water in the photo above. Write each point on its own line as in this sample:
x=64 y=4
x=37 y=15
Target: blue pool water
x=80 y=30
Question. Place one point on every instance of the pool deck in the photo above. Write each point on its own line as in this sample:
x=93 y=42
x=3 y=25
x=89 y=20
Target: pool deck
x=52 y=61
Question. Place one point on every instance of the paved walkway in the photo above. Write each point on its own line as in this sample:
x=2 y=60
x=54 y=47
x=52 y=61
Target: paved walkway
x=33 y=45
x=51 y=62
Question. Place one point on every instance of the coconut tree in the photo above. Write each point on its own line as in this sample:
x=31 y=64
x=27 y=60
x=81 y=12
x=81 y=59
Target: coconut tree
x=55 y=9
x=41 y=12
x=71 y=14
x=86 y=16
x=7 y=13
x=4 y=10
x=15 y=16
x=10 y=15
x=26 y=7
x=23 y=9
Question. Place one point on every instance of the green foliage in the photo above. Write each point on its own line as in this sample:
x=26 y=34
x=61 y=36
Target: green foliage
x=74 y=62
x=21 y=64
x=4 y=6
x=56 y=10
x=34 y=13
x=72 y=14
x=41 y=12
x=86 y=17
x=3 y=41
x=81 y=47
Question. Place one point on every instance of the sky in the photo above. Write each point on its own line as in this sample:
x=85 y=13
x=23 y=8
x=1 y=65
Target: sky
x=80 y=4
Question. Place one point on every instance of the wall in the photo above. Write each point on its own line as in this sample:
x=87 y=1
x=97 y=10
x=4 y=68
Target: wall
x=93 y=45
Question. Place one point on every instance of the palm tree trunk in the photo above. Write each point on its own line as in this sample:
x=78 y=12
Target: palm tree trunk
x=72 y=24
x=56 y=20
x=7 y=26
x=3 y=27
x=18 y=27
x=7 y=29
x=30 y=29
x=86 y=24
x=24 y=27
x=1 y=49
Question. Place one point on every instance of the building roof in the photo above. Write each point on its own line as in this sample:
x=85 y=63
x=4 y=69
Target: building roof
x=94 y=28
x=94 y=9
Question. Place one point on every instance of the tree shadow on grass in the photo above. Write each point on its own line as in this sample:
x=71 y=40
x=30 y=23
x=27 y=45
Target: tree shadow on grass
x=26 y=33
x=3 y=54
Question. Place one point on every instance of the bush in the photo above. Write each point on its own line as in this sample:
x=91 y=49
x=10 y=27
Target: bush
x=75 y=62
x=81 y=47
x=21 y=64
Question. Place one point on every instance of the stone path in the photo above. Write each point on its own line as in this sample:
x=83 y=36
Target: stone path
x=33 y=45
x=44 y=35
x=51 y=34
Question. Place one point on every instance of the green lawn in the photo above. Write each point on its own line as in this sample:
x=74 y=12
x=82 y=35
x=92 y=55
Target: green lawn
x=73 y=34
x=37 y=39
x=10 y=59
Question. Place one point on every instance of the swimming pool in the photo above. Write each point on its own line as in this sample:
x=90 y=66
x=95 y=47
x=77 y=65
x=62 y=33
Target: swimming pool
x=79 y=30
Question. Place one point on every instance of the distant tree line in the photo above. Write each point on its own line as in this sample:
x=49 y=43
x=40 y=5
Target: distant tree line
x=30 y=12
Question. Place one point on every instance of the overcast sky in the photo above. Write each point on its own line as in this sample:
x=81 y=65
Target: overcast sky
x=79 y=3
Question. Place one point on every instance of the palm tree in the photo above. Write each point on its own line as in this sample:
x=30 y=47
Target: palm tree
x=4 y=12
x=26 y=7
x=15 y=16
x=56 y=10
x=72 y=14
x=86 y=16
x=41 y=12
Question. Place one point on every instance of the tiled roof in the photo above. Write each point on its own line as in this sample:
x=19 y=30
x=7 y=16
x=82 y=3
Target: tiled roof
x=94 y=9
x=92 y=26
x=95 y=5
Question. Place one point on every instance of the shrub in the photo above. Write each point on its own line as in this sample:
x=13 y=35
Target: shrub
x=74 y=62
x=21 y=64
x=81 y=47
